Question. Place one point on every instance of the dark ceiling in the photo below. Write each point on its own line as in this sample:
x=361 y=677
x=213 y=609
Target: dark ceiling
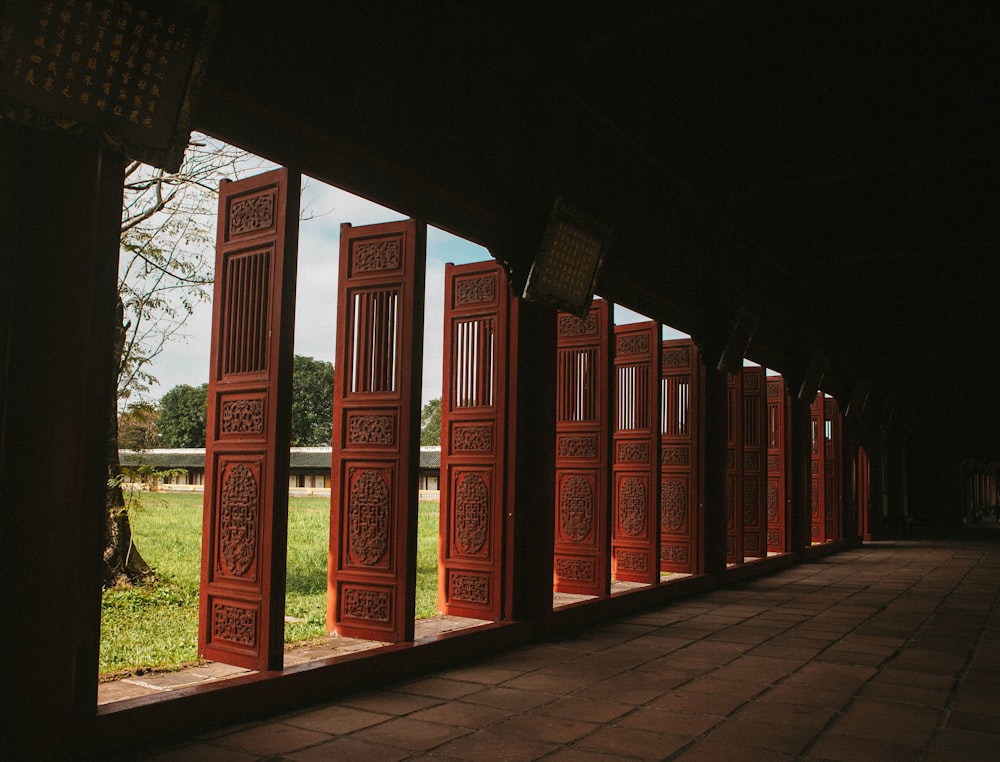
x=830 y=167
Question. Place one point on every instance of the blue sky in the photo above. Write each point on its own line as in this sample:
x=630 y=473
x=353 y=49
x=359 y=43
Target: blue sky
x=185 y=360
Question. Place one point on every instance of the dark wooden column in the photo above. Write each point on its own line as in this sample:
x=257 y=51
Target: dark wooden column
x=716 y=458
x=60 y=211
x=531 y=498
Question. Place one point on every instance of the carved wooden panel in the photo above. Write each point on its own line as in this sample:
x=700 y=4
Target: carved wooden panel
x=376 y=407
x=734 y=468
x=777 y=465
x=818 y=469
x=754 y=477
x=680 y=457
x=583 y=446
x=833 y=469
x=474 y=426
x=241 y=618
x=635 y=534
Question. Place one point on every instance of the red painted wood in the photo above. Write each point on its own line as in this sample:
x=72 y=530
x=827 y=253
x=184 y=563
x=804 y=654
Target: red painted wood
x=833 y=470
x=863 y=486
x=754 y=481
x=583 y=447
x=681 y=459
x=817 y=469
x=246 y=474
x=376 y=424
x=778 y=472
x=734 y=468
x=635 y=536
x=474 y=437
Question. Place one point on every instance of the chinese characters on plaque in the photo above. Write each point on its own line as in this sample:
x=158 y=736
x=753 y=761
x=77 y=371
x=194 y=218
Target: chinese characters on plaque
x=123 y=69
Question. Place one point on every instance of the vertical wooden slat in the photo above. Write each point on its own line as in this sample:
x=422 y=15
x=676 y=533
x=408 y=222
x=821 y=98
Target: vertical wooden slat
x=754 y=481
x=241 y=618
x=777 y=465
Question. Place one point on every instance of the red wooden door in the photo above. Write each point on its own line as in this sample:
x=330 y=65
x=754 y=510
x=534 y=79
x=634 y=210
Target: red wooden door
x=734 y=468
x=635 y=535
x=376 y=424
x=246 y=474
x=818 y=469
x=583 y=445
x=680 y=457
x=474 y=435
x=754 y=481
x=832 y=470
x=777 y=465
x=863 y=487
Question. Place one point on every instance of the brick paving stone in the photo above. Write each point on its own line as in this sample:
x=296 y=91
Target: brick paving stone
x=635 y=687
x=391 y=702
x=630 y=743
x=482 y=674
x=710 y=751
x=815 y=717
x=781 y=737
x=585 y=709
x=666 y=721
x=336 y=719
x=496 y=747
x=407 y=733
x=838 y=748
x=581 y=755
x=197 y=752
x=977 y=721
x=510 y=698
x=272 y=739
x=957 y=745
x=907 y=694
x=462 y=714
x=439 y=687
x=541 y=727
x=348 y=748
x=904 y=724
x=685 y=700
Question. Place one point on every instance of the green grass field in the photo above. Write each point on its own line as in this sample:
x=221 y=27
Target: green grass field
x=156 y=626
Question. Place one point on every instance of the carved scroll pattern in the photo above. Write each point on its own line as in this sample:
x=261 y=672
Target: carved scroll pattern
x=632 y=506
x=372 y=256
x=676 y=358
x=580 y=569
x=472 y=438
x=772 y=501
x=576 y=508
x=475 y=290
x=577 y=446
x=632 y=344
x=248 y=215
x=633 y=452
x=371 y=605
x=570 y=325
x=674 y=553
x=239 y=513
x=472 y=512
x=751 y=506
x=673 y=505
x=368 y=518
x=472 y=588
x=245 y=416
x=675 y=456
x=631 y=560
x=751 y=461
x=234 y=623
x=371 y=429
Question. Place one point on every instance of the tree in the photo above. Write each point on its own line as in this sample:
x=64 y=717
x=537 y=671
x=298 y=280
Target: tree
x=430 y=423
x=312 y=402
x=138 y=427
x=184 y=416
x=165 y=269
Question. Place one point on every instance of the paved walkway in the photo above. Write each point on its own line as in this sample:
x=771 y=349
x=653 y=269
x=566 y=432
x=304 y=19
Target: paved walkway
x=886 y=652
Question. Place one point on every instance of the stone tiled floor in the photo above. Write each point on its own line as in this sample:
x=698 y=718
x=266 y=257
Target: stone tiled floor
x=886 y=652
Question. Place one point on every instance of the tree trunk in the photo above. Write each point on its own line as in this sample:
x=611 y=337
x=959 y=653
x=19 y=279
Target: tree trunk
x=122 y=562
